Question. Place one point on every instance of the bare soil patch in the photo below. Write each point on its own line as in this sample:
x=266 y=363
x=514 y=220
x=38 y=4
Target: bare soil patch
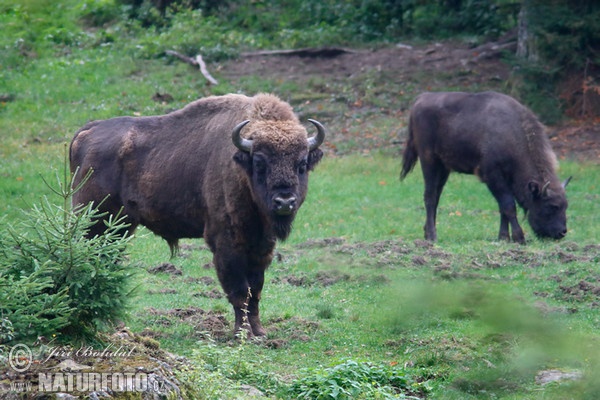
x=211 y=322
x=350 y=90
x=165 y=268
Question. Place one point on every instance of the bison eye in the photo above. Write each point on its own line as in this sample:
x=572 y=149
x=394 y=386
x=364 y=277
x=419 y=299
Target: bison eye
x=554 y=208
x=260 y=166
x=302 y=166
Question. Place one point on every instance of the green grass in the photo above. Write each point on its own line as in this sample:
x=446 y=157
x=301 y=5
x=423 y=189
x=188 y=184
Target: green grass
x=377 y=310
x=398 y=300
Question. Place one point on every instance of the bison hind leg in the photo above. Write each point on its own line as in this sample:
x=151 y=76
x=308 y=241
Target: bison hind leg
x=435 y=175
x=173 y=246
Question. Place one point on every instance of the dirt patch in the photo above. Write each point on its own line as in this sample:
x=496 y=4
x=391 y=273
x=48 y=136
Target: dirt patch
x=205 y=280
x=449 y=273
x=328 y=278
x=162 y=291
x=211 y=322
x=167 y=268
x=577 y=139
x=320 y=243
x=403 y=61
x=284 y=330
x=351 y=92
x=293 y=280
x=185 y=250
x=388 y=253
x=378 y=248
x=583 y=291
x=321 y=279
x=213 y=293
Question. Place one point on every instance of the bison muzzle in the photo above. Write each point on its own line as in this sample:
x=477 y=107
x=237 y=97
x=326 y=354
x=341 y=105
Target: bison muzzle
x=230 y=169
x=493 y=136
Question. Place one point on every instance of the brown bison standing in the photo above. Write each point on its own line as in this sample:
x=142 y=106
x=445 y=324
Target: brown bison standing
x=231 y=169
x=496 y=138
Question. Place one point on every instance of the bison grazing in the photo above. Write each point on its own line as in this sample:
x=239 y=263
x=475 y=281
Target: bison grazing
x=496 y=138
x=231 y=169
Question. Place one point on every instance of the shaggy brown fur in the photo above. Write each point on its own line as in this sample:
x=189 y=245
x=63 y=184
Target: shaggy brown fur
x=181 y=176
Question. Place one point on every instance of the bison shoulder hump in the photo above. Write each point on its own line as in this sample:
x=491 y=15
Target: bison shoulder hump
x=270 y=107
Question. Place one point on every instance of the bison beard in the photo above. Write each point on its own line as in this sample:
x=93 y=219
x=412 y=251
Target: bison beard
x=282 y=226
x=193 y=173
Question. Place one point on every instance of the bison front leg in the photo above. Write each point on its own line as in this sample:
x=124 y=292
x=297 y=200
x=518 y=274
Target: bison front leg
x=508 y=215
x=256 y=280
x=231 y=273
x=243 y=290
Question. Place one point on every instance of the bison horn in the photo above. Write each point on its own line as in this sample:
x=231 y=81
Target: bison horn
x=545 y=188
x=566 y=182
x=315 y=141
x=241 y=143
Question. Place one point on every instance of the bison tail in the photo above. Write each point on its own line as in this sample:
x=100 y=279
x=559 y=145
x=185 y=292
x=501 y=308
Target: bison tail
x=410 y=155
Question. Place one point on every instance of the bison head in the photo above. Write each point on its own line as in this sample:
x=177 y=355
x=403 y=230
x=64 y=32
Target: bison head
x=547 y=212
x=277 y=157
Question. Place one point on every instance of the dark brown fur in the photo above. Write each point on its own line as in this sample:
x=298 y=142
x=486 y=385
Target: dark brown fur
x=181 y=176
x=494 y=137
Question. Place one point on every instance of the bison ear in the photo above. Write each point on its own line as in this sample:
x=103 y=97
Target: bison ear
x=313 y=158
x=244 y=160
x=535 y=189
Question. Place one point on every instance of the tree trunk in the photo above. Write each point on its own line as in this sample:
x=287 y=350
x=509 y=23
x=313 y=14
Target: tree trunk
x=526 y=39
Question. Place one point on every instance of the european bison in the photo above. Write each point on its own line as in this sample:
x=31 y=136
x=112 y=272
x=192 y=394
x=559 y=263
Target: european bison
x=231 y=169
x=496 y=138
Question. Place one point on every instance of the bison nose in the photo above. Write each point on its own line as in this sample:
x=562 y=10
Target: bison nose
x=284 y=205
x=562 y=234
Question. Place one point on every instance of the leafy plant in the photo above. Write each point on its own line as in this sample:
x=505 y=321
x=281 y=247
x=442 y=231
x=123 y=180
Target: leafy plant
x=357 y=380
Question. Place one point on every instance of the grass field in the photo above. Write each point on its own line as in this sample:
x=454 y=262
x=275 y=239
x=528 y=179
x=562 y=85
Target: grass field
x=355 y=294
x=355 y=282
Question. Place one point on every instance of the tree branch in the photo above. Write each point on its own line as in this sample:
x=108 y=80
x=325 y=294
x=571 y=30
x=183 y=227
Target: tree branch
x=197 y=62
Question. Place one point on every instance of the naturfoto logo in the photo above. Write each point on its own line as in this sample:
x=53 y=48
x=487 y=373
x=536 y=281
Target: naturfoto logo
x=68 y=376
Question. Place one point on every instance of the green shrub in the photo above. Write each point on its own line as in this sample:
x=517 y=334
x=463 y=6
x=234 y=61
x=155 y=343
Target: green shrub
x=100 y=12
x=357 y=380
x=56 y=280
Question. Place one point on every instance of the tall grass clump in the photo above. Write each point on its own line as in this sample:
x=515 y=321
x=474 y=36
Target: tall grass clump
x=56 y=280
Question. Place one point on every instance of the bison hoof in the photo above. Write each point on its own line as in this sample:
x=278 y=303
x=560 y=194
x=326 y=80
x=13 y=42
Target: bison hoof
x=247 y=332
x=257 y=328
x=259 y=331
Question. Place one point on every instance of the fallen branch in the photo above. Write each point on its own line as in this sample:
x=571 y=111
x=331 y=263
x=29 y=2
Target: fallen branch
x=305 y=52
x=183 y=58
x=204 y=71
x=197 y=62
x=491 y=50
